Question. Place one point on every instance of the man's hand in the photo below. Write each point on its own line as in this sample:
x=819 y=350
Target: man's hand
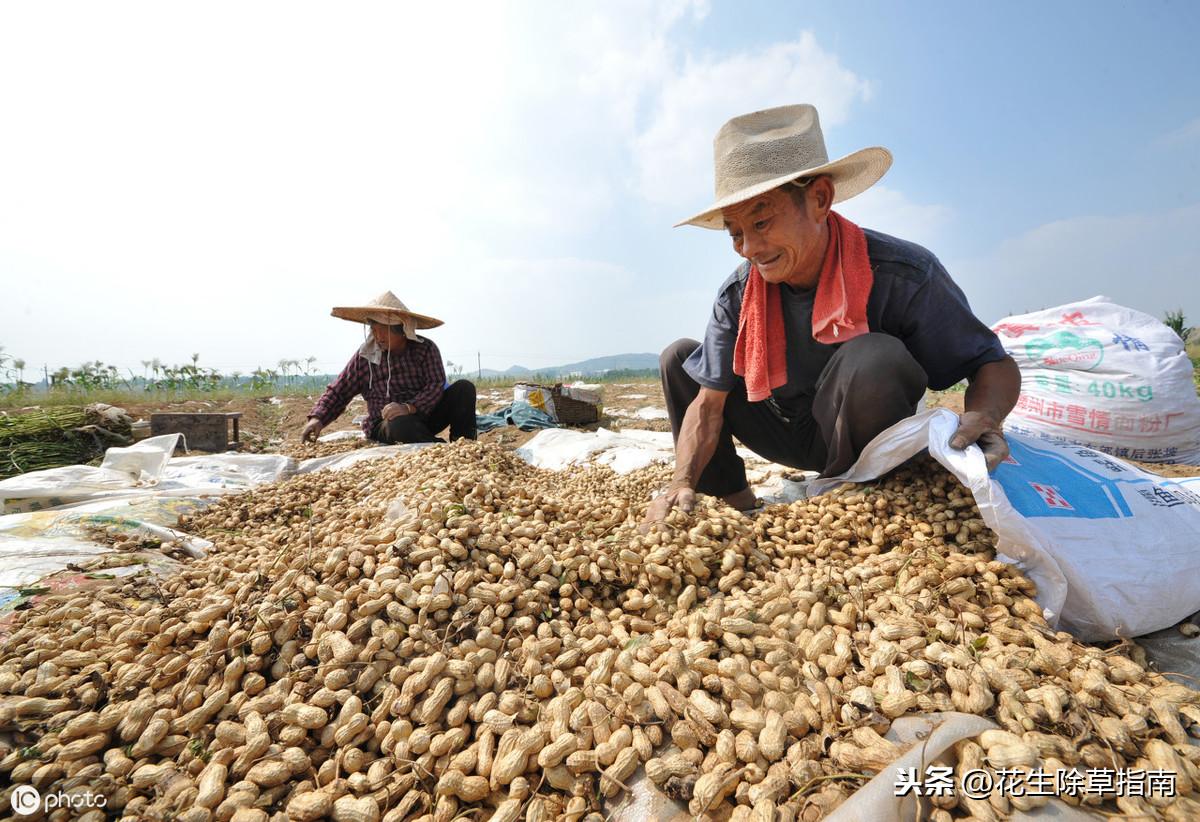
x=694 y=447
x=311 y=430
x=991 y=394
x=677 y=495
x=977 y=428
x=396 y=409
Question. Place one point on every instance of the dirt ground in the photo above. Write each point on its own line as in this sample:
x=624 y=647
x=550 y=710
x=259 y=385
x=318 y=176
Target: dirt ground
x=272 y=424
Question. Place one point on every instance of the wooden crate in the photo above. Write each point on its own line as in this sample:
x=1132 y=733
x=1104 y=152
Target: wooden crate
x=201 y=432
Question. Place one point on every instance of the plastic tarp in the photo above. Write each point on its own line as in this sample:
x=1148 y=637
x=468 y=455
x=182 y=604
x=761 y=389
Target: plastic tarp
x=1111 y=548
x=122 y=470
x=141 y=469
x=38 y=543
x=521 y=414
x=1174 y=655
x=225 y=473
x=69 y=511
x=339 y=436
x=623 y=451
x=202 y=475
x=340 y=462
x=632 y=448
x=648 y=412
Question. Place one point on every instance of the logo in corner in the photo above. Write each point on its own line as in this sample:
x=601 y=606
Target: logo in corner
x=25 y=800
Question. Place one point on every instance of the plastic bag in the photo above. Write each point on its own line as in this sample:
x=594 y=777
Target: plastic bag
x=143 y=461
x=1106 y=376
x=534 y=395
x=1111 y=548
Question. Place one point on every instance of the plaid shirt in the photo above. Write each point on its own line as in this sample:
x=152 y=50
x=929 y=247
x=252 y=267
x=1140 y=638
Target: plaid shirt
x=415 y=375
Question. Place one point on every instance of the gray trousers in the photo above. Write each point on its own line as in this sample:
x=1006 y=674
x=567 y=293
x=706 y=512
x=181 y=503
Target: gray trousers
x=870 y=383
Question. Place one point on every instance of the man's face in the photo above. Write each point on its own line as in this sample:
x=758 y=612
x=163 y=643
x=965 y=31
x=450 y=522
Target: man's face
x=785 y=241
x=389 y=337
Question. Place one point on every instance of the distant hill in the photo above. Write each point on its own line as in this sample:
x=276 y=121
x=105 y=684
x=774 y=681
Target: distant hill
x=596 y=366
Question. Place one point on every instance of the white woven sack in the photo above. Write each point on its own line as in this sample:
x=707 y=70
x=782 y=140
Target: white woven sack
x=1105 y=376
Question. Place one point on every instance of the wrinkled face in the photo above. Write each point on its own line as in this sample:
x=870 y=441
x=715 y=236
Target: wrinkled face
x=389 y=337
x=784 y=239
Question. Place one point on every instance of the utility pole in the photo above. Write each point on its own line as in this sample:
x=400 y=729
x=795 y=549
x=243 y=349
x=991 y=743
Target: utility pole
x=478 y=365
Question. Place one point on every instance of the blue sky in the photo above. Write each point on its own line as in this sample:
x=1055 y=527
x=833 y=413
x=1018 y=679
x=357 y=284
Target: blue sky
x=213 y=179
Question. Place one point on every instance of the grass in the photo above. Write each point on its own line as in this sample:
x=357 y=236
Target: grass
x=119 y=396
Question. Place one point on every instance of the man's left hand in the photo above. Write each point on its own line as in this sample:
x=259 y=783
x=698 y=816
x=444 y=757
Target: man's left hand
x=979 y=429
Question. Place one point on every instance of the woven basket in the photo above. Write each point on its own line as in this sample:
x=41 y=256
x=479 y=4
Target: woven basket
x=571 y=411
x=567 y=410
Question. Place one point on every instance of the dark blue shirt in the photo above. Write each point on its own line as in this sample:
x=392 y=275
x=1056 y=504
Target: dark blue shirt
x=913 y=299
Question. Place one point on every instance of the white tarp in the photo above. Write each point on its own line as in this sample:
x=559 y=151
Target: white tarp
x=54 y=519
x=224 y=473
x=648 y=412
x=340 y=462
x=632 y=448
x=133 y=469
x=1112 y=548
x=623 y=451
x=339 y=436
x=38 y=543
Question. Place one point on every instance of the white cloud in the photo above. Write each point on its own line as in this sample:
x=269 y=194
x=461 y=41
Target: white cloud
x=1144 y=261
x=213 y=179
x=673 y=154
x=159 y=143
x=579 y=77
x=1187 y=133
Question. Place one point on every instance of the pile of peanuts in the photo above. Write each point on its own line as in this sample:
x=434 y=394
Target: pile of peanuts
x=455 y=634
x=312 y=450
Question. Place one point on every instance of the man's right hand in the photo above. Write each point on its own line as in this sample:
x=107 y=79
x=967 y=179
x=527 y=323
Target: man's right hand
x=677 y=495
x=396 y=409
x=311 y=430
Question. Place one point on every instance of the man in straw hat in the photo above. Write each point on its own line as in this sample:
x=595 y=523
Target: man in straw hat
x=401 y=377
x=827 y=334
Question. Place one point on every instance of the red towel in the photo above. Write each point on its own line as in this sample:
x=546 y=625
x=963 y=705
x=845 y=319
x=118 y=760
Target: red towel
x=760 y=353
x=839 y=310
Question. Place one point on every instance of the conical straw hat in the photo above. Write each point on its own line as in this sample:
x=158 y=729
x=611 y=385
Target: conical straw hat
x=388 y=310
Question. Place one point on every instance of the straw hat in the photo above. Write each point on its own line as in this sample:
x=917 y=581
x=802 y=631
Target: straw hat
x=387 y=309
x=757 y=152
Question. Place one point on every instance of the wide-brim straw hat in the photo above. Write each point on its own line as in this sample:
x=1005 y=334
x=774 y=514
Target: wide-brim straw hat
x=388 y=310
x=757 y=152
